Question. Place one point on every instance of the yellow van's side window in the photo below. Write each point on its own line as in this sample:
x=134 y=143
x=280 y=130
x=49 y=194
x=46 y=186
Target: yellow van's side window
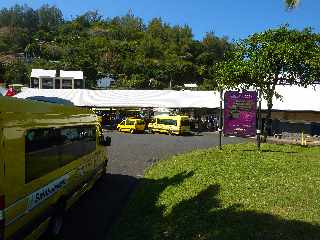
x=130 y=122
x=48 y=149
x=168 y=122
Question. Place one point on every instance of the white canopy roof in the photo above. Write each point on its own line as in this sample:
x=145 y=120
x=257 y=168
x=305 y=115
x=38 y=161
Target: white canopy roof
x=37 y=73
x=128 y=98
x=296 y=98
x=71 y=74
x=293 y=98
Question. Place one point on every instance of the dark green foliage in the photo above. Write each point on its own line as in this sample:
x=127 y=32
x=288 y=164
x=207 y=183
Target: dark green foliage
x=138 y=55
x=16 y=73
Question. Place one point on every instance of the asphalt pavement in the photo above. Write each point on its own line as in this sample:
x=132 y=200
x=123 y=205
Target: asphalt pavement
x=129 y=155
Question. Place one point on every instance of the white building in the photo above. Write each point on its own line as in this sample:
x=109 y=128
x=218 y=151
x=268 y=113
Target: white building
x=48 y=79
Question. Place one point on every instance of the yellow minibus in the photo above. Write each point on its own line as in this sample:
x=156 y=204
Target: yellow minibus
x=131 y=125
x=50 y=155
x=176 y=124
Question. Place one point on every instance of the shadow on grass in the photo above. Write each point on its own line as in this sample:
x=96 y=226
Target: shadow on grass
x=266 y=151
x=277 y=151
x=201 y=217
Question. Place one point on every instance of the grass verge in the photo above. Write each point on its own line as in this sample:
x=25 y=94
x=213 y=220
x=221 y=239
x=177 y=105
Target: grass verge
x=236 y=193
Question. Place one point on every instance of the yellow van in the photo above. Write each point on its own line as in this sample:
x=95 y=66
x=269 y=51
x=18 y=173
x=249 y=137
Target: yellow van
x=50 y=155
x=131 y=125
x=177 y=124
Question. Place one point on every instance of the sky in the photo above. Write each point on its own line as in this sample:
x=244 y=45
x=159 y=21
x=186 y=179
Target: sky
x=236 y=19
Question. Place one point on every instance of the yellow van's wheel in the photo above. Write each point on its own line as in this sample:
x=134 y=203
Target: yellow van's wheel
x=131 y=130
x=57 y=225
x=170 y=132
x=57 y=221
x=104 y=169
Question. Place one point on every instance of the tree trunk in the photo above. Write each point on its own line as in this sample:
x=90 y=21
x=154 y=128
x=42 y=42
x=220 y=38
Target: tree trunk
x=268 y=120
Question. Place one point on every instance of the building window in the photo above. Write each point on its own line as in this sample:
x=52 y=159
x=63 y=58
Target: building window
x=77 y=83
x=47 y=149
x=34 y=83
x=67 y=83
x=47 y=83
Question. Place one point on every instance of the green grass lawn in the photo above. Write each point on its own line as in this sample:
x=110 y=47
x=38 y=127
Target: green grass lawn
x=236 y=193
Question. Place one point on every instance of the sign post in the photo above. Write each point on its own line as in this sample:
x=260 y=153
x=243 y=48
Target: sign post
x=259 y=122
x=220 y=120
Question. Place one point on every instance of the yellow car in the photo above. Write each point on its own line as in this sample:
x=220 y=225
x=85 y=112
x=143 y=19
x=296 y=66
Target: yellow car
x=177 y=124
x=131 y=125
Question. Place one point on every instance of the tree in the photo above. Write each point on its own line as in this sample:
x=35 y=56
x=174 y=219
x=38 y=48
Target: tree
x=135 y=81
x=16 y=72
x=50 y=17
x=290 y=4
x=20 y=16
x=89 y=18
x=2 y=72
x=127 y=28
x=274 y=57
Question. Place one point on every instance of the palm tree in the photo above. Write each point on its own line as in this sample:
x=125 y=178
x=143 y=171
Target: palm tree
x=290 y=4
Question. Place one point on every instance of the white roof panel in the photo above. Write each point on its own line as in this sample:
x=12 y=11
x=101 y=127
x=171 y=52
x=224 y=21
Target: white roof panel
x=129 y=98
x=37 y=73
x=71 y=74
x=296 y=98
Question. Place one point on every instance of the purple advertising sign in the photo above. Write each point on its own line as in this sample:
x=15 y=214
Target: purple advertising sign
x=240 y=113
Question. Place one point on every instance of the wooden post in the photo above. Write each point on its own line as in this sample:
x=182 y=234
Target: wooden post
x=303 y=143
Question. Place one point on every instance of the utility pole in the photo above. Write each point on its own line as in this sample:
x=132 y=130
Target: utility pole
x=220 y=120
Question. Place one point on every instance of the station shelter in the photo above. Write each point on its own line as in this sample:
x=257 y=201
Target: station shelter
x=297 y=110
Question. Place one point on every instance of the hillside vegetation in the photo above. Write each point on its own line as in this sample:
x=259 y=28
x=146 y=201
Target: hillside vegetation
x=135 y=53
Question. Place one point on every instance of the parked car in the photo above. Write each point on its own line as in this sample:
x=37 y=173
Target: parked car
x=131 y=125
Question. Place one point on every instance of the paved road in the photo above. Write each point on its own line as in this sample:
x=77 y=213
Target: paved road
x=129 y=156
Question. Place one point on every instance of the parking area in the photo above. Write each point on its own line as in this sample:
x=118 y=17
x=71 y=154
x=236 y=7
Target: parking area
x=129 y=156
